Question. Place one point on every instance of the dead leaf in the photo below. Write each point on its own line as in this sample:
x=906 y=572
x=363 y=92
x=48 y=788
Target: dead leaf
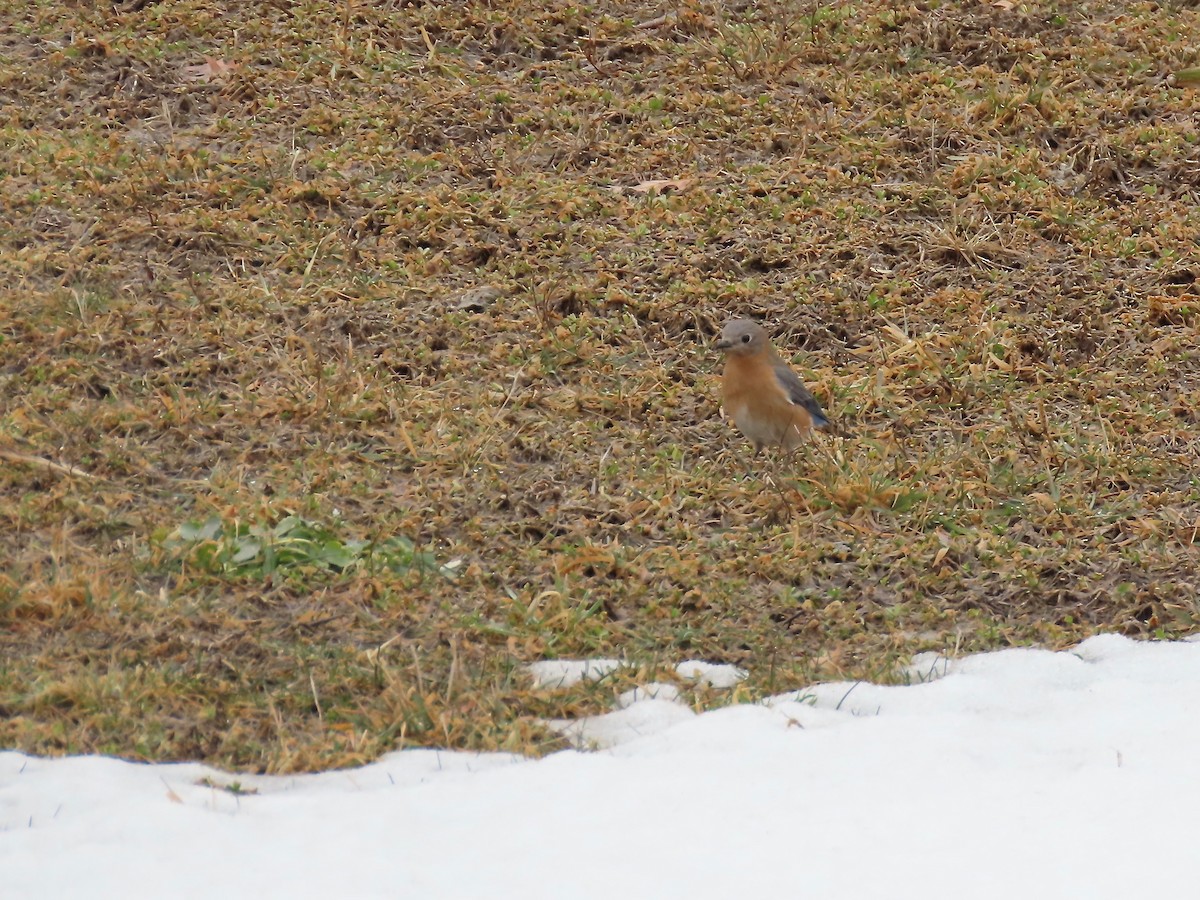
x=171 y=795
x=666 y=18
x=478 y=299
x=212 y=69
x=661 y=185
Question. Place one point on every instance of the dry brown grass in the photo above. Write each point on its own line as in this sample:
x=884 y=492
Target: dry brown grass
x=246 y=272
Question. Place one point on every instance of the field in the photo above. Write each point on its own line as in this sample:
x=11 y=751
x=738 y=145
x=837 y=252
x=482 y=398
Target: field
x=353 y=355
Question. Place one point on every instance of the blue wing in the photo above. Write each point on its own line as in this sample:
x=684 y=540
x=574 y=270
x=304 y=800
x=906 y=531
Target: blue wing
x=798 y=394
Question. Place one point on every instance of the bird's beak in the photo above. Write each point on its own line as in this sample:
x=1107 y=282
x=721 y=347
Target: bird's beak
x=723 y=344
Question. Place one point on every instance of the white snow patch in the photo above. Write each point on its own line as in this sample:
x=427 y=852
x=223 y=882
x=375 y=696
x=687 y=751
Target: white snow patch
x=1039 y=770
x=655 y=690
x=610 y=729
x=928 y=666
x=560 y=673
x=718 y=675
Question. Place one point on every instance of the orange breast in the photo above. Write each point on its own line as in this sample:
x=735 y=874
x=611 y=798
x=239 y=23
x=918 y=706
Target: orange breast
x=759 y=406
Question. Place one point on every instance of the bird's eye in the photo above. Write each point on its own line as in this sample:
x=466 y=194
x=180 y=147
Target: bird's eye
x=745 y=338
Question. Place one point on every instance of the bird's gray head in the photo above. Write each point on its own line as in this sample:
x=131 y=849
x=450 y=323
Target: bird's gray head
x=742 y=337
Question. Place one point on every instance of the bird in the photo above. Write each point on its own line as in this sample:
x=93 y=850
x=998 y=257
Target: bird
x=766 y=400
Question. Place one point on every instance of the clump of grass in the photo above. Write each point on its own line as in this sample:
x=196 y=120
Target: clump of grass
x=262 y=549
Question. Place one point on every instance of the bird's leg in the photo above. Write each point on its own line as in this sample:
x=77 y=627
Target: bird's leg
x=751 y=475
x=773 y=480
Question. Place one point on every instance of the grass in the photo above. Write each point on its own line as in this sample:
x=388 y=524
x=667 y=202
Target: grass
x=302 y=304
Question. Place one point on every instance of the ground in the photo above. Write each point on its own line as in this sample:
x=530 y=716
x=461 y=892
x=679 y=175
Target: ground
x=353 y=355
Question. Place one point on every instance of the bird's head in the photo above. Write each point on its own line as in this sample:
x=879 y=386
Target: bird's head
x=742 y=337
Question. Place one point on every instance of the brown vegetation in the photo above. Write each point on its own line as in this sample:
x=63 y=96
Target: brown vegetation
x=451 y=273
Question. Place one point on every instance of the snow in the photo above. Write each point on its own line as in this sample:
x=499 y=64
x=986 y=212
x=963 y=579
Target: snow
x=559 y=673
x=713 y=674
x=636 y=720
x=655 y=690
x=1016 y=773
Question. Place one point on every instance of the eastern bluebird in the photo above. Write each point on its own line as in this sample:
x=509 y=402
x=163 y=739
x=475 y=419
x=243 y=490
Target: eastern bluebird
x=766 y=399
